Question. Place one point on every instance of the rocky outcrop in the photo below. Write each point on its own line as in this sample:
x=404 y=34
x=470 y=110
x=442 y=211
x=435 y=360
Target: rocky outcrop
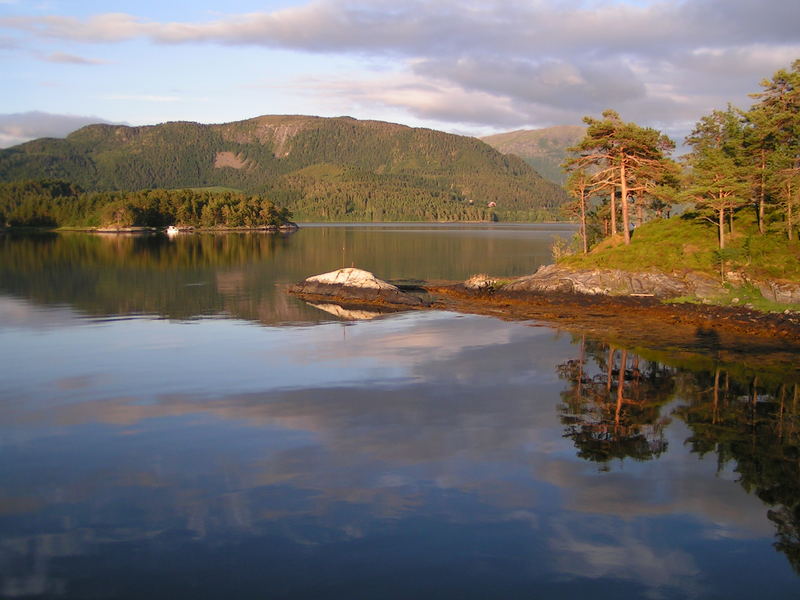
x=614 y=282
x=355 y=285
x=480 y=283
x=785 y=292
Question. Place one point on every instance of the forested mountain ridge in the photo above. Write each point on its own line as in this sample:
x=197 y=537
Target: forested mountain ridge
x=319 y=168
x=543 y=149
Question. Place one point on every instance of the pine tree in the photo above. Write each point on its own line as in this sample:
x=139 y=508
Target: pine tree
x=624 y=156
x=776 y=126
x=718 y=180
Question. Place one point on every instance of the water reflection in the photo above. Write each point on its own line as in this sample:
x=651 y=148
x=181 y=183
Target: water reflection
x=616 y=412
x=149 y=452
x=440 y=454
x=243 y=275
x=755 y=427
x=749 y=422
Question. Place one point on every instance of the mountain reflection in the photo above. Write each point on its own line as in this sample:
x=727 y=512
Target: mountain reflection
x=244 y=274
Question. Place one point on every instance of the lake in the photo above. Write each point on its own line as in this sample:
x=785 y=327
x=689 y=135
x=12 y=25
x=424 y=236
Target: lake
x=174 y=425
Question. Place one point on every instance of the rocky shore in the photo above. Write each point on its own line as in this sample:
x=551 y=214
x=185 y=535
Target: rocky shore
x=612 y=305
x=615 y=282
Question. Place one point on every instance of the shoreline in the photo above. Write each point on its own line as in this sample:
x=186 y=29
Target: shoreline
x=700 y=332
x=287 y=228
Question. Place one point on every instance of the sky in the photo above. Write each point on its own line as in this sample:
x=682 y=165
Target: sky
x=472 y=67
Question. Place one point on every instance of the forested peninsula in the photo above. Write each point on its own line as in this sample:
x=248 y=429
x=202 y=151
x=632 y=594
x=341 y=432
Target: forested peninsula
x=65 y=205
x=737 y=191
x=319 y=169
x=734 y=242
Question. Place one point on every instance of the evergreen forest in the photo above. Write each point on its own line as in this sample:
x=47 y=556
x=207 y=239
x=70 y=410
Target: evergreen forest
x=737 y=190
x=319 y=169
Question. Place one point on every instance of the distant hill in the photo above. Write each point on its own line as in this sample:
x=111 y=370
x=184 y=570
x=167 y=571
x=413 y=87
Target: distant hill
x=543 y=149
x=320 y=168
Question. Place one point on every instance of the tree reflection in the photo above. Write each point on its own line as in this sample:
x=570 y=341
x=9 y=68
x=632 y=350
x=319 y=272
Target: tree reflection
x=752 y=425
x=612 y=407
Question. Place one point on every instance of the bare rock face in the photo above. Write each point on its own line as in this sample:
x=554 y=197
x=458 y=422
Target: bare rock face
x=613 y=282
x=356 y=285
x=784 y=292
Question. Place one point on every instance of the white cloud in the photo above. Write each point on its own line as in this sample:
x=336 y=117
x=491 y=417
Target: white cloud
x=20 y=127
x=505 y=64
x=63 y=57
x=142 y=97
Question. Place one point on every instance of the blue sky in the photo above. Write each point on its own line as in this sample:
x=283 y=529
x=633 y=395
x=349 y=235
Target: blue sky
x=467 y=66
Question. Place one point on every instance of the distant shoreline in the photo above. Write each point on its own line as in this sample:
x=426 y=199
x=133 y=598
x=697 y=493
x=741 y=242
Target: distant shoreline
x=288 y=228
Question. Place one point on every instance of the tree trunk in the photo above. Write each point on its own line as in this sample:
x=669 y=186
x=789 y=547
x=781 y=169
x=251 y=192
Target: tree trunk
x=789 y=216
x=623 y=188
x=620 y=388
x=613 y=211
x=583 y=223
x=761 y=192
x=721 y=228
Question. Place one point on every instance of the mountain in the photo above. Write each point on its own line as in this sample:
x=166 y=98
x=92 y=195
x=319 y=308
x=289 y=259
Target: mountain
x=543 y=149
x=320 y=168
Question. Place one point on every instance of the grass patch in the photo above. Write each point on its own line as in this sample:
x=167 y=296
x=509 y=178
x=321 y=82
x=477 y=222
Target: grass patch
x=687 y=242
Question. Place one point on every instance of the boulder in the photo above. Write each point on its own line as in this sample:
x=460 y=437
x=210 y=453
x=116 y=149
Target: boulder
x=355 y=285
x=480 y=283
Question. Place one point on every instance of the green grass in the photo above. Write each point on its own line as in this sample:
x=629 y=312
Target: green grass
x=688 y=243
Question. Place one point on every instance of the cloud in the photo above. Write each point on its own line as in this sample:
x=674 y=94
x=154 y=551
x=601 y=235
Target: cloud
x=142 y=97
x=8 y=43
x=421 y=97
x=62 y=57
x=17 y=128
x=499 y=63
x=454 y=27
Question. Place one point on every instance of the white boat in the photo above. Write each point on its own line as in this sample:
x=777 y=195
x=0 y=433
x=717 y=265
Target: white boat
x=172 y=230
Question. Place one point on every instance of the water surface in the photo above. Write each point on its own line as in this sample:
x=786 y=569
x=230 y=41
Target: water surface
x=172 y=424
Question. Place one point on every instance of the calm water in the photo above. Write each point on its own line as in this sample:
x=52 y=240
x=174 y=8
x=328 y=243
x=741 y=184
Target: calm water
x=173 y=425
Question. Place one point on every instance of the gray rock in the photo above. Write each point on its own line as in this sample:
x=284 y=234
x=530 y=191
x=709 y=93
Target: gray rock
x=703 y=286
x=480 y=283
x=614 y=282
x=784 y=292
